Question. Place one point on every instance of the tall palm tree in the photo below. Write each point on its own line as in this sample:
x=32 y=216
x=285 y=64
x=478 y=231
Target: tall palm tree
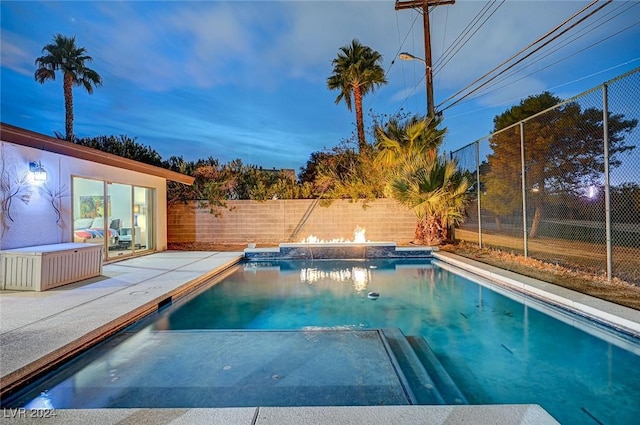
x=64 y=55
x=356 y=71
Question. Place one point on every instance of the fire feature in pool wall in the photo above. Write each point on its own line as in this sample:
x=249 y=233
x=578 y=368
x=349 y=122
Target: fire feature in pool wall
x=313 y=248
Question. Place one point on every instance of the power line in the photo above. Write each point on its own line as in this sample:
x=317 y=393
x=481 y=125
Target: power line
x=455 y=43
x=547 y=35
x=563 y=59
x=410 y=94
x=425 y=4
x=450 y=52
x=516 y=55
x=506 y=102
x=444 y=32
x=584 y=32
x=465 y=31
x=393 y=61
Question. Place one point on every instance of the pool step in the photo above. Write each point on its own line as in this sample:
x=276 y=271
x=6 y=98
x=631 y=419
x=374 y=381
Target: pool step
x=422 y=388
x=428 y=381
x=447 y=388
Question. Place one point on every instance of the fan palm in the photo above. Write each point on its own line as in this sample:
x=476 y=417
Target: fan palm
x=414 y=136
x=64 y=55
x=356 y=72
x=434 y=189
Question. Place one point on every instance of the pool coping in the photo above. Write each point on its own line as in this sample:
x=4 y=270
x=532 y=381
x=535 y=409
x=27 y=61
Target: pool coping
x=614 y=315
x=512 y=414
x=342 y=250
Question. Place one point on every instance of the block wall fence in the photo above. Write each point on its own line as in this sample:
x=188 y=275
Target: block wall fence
x=276 y=221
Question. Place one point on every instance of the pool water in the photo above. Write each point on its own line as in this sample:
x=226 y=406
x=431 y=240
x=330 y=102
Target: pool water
x=498 y=347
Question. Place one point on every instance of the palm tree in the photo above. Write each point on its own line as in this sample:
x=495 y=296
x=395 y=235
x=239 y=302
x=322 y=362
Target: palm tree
x=64 y=55
x=414 y=136
x=419 y=179
x=434 y=189
x=357 y=71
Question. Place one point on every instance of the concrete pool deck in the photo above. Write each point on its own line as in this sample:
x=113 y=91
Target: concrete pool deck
x=36 y=328
x=39 y=328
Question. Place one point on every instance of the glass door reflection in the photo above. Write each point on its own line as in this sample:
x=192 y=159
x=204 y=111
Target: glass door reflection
x=142 y=218
x=120 y=216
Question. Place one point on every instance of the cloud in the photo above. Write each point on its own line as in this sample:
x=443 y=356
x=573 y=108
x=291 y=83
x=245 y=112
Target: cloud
x=264 y=44
x=316 y=31
x=18 y=53
x=259 y=44
x=248 y=78
x=401 y=95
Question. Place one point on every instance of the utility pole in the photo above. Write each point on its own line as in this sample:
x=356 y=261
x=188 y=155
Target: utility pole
x=424 y=4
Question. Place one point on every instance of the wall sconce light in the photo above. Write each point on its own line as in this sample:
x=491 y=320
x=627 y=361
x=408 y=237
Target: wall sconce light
x=38 y=171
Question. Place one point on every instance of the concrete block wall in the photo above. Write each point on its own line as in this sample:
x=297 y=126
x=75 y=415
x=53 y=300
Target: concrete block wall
x=275 y=222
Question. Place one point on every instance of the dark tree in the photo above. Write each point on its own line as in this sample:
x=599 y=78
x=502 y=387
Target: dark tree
x=564 y=153
x=123 y=146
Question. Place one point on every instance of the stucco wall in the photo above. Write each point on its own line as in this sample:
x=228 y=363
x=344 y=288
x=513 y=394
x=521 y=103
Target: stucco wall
x=34 y=222
x=275 y=222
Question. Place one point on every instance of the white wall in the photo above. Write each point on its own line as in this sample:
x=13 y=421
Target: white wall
x=34 y=218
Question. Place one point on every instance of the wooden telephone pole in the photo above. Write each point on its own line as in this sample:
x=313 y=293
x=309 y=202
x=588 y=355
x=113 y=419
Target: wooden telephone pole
x=424 y=4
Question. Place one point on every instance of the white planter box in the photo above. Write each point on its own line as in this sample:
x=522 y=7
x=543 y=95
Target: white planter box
x=38 y=268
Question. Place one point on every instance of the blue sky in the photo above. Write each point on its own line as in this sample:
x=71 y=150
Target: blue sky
x=247 y=79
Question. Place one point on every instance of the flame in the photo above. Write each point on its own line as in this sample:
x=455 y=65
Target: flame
x=358 y=237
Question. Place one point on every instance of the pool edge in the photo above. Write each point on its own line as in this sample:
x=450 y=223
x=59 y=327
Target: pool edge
x=507 y=414
x=616 y=316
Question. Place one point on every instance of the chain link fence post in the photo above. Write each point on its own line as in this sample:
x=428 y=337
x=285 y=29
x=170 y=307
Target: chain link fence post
x=607 y=182
x=523 y=174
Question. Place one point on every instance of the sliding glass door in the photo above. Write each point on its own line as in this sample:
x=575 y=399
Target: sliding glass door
x=119 y=216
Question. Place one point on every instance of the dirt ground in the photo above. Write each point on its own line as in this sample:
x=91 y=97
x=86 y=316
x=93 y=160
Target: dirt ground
x=616 y=291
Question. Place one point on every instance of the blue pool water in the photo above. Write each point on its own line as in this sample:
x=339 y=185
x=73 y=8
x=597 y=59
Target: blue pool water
x=498 y=347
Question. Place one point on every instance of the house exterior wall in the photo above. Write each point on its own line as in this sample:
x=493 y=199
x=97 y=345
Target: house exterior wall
x=275 y=221
x=32 y=220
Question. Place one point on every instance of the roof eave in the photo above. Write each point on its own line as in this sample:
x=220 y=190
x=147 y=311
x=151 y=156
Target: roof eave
x=20 y=136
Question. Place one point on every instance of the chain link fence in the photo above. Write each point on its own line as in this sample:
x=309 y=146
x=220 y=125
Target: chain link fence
x=563 y=186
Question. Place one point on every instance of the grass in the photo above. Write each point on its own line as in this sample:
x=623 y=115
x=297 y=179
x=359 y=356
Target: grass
x=616 y=290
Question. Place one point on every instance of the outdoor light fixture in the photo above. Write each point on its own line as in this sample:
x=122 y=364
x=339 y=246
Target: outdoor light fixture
x=409 y=57
x=38 y=171
x=431 y=112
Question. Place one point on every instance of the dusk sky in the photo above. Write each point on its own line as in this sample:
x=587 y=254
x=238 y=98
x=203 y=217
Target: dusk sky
x=248 y=79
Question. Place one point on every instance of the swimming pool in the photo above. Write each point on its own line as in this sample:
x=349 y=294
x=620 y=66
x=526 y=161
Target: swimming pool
x=497 y=346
